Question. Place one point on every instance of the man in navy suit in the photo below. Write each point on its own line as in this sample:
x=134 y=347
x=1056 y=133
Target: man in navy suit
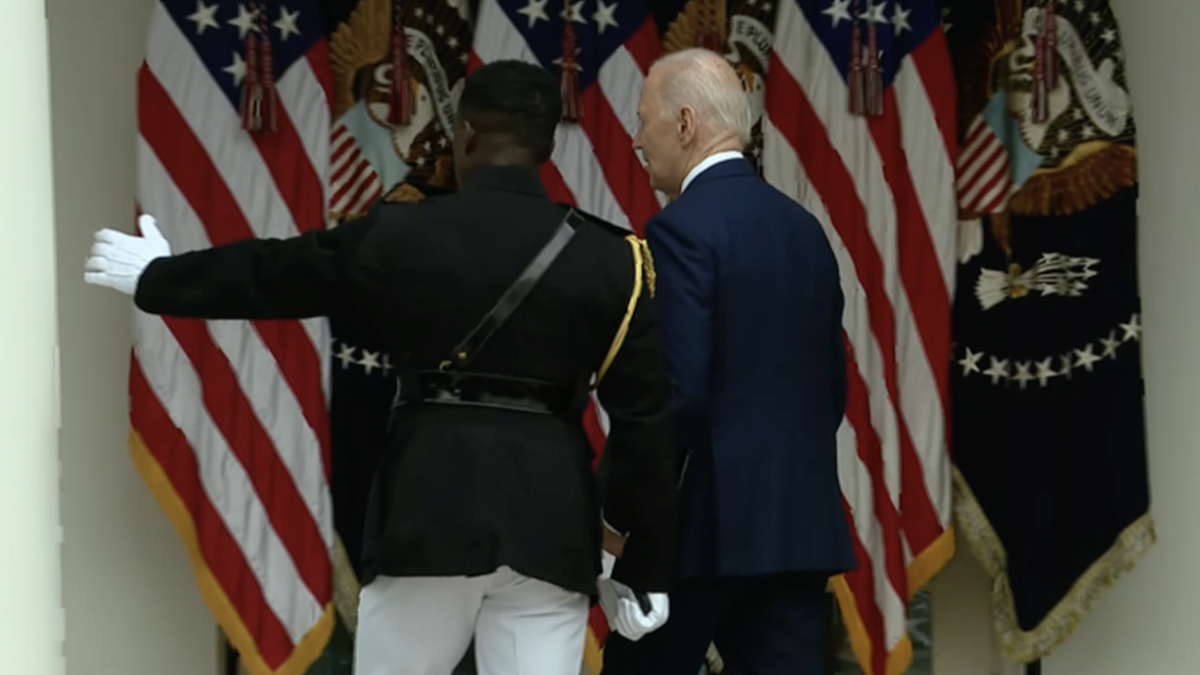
x=751 y=309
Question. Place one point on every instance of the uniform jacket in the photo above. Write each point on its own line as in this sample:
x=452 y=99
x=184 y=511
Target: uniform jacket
x=462 y=490
x=363 y=385
x=751 y=308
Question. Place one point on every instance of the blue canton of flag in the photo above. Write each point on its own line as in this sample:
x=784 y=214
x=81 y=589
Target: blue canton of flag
x=218 y=32
x=900 y=27
x=601 y=28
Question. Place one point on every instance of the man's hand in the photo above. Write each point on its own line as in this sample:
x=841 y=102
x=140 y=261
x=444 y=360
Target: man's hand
x=613 y=542
x=117 y=259
x=625 y=613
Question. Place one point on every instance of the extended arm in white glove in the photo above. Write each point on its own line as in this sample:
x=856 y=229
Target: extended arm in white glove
x=117 y=259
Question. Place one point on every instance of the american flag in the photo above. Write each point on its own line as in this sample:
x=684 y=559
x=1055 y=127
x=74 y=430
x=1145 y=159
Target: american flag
x=229 y=418
x=609 y=47
x=984 y=184
x=883 y=187
x=994 y=161
x=355 y=183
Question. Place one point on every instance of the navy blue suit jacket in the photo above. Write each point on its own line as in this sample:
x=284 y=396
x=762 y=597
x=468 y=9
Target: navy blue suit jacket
x=751 y=319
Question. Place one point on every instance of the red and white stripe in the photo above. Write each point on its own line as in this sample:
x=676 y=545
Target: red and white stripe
x=883 y=189
x=354 y=184
x=984 y=180
x=229 y=418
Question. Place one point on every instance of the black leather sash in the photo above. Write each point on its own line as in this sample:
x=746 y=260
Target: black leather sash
x=451 y=385
x=516 y=293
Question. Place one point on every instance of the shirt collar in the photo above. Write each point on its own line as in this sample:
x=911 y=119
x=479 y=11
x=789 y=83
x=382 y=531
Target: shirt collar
x=520 y=179
x=708 y=163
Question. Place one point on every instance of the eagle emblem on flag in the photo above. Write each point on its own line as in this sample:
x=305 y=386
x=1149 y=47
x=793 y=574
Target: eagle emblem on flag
x=1047 y=111
x=399 y=67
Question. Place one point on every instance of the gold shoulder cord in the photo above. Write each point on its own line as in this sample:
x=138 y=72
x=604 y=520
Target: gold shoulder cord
x=647 y=262
x=643 y=268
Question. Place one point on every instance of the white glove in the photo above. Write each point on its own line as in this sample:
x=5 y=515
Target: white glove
x=625 y=616
x=118 y=259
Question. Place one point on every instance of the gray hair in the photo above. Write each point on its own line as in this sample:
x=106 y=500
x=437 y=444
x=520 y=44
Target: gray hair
x=704 y=81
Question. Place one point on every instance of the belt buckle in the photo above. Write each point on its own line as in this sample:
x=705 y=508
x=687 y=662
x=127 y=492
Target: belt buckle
x=444 y=396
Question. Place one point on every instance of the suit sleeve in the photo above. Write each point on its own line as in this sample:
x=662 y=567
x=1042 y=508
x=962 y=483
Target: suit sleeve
x=686 y=288
x=305 y=276
x=838 y=349
x=637 y=470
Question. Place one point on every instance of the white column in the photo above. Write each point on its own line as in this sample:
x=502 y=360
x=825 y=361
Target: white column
x=31 y=627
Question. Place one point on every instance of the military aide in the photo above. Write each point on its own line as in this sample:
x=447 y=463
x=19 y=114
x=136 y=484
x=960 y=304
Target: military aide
x=499 y=308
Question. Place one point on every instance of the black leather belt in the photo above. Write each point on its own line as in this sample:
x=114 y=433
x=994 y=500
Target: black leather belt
x=489 y=391
x=452 y=385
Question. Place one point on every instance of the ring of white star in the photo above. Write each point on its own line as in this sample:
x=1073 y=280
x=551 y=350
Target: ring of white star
x=1056 y=365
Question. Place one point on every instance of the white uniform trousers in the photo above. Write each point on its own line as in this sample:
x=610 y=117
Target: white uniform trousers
x=424 y=625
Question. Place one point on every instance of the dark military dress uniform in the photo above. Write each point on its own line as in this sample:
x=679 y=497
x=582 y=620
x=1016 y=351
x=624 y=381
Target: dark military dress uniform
x=487 y=463
x=360 y=402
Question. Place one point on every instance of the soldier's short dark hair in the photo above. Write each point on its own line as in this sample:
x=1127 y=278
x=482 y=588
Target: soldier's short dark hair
x=515 y=99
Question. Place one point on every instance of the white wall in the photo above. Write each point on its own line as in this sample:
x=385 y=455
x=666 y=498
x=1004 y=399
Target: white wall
x=132 y=606
x=31 y=629
x=963 y=641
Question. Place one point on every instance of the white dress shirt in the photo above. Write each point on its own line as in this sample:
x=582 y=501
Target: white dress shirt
x=708 y=162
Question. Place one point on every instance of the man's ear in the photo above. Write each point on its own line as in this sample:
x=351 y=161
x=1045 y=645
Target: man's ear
x=687 y=124
x=469 y=138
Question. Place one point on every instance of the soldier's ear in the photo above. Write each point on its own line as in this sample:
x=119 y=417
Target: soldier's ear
x=469 y=138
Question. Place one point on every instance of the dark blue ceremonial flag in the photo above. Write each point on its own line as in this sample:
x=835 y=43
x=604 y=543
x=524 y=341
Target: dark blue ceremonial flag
x=363 y=384
x=1048 y=420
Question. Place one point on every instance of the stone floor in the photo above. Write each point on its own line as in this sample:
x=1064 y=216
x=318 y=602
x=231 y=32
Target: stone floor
x=919 y=626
